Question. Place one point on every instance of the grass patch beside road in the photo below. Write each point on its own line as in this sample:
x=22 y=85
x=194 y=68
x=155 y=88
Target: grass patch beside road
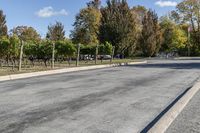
x=40 y=67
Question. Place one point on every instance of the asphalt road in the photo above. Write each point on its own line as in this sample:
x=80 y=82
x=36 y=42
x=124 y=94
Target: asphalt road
x=111 y=100
x=188 y=120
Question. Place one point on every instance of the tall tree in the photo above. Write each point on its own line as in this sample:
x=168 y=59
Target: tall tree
x=118 y=26
x=3 y=26
x=174 y=37
x=139 y=12
x=188 y=11
x=26 y=35
x=86 y=26
x=56 y=32
x=150 y=40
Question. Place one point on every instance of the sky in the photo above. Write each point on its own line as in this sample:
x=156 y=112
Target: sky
x=40 y=13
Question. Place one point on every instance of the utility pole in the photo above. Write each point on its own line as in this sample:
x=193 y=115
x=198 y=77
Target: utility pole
x=96 y=54
x=78 y=54
x=53 y=56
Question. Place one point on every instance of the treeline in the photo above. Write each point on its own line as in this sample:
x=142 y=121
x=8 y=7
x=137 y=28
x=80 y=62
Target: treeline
x=115 y=27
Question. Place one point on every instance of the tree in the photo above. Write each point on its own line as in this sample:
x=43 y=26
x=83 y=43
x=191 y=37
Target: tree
x=25 y=35
x=65 y=49
x=174 y=37
x=188 y=11
x=13 y=51
x=94 y=4
x=167 y=27
x=3 y=26
x=55 y=33
x=105 y=49
x=139 y=13
x=44 y=51
x=4 y=46
x=150 y=39
x=86 y=26
x=118 y=26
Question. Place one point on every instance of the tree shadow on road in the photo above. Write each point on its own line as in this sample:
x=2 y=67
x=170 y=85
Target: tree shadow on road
x=175 y=65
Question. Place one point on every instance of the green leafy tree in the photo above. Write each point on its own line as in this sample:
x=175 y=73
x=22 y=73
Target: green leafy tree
x=150 y=40
x=56 y=32
x=174 y=37
x=118 y=26
x=4 y=47
x=3 y=26
x=14 y=47
x=86 y=26
x=188 y=11
x=105 y=49
x=88 y=49
x=26 y=35
x=65 y=49
x=44 y=51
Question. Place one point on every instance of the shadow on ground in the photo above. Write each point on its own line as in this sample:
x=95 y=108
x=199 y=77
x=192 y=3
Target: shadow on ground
x=188 y=65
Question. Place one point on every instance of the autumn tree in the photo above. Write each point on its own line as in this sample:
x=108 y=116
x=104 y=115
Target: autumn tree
x=86 y=25
x=150 y=40
x=188 y=11
x=174 y=37
x=3 y=26
x=26 y=35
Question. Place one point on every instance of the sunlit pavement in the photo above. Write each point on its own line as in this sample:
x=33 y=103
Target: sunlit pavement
x=111 y=100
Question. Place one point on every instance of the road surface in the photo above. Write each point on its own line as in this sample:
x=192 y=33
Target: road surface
x=111 y=100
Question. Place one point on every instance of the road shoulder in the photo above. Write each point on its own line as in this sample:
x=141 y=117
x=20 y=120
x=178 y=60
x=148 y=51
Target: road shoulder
x=66 y=70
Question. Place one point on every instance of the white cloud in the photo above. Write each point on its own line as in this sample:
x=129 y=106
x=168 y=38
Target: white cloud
x=49 y=12
x=166 y=3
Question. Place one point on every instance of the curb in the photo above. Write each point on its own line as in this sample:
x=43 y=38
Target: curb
x=66 y=70
x=166 y=120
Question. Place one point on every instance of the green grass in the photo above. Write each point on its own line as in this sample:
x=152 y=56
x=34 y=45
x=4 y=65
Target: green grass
x=40 y=66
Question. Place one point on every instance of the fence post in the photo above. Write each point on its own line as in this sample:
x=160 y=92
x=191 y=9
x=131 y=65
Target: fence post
x=112 y=54
x=21 y=55
x=78 y=55
x=96 y=54
x=53 y=56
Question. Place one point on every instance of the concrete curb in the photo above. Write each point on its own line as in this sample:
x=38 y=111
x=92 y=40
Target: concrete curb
x=165 y=121
x=66 y=70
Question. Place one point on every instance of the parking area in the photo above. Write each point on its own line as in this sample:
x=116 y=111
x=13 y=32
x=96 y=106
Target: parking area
x=111 y=100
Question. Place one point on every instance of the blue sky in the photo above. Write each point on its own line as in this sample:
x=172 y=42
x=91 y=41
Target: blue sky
x=40 y=13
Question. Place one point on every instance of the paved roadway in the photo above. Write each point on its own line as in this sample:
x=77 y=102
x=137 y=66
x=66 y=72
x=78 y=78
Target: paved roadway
x=111 y=100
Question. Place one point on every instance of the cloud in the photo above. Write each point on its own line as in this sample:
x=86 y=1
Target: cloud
x=166 y=3
x=49 y=12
